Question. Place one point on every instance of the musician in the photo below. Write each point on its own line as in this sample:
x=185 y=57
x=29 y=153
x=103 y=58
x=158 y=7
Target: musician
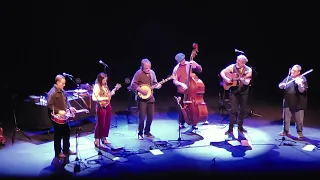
x=101 y=94
x=58 y=104
x=145 y=75
x=180 y=77
x=294 y=100
x=238 y=94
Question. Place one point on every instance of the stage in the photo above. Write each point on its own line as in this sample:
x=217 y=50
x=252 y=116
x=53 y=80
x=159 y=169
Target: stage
x=207 y=152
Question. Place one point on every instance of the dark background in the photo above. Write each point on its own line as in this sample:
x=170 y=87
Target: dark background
x=41 y=40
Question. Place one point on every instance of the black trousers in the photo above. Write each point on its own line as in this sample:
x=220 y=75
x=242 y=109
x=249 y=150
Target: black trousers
x=145 y=109
x=238 y=104
x=61 y=132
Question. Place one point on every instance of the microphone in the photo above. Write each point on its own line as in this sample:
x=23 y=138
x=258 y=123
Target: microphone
x=101 y=62
x=65 y=74
x=236 y=50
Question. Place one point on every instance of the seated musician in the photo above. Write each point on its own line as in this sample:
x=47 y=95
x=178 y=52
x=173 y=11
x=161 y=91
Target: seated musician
x=238 y=94
x=102 y=94
x=58 y=104
x=145 y=75
x=180 y=77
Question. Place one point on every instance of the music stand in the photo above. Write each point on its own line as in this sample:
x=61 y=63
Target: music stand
x=179 y=140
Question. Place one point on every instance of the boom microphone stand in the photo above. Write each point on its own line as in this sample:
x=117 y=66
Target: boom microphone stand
x=283 y=139
x=179 y=140
x=100 y=155
x=16 y=129
x=78 y=162
x=223 y=101
x=251 y=113
x=105 y=66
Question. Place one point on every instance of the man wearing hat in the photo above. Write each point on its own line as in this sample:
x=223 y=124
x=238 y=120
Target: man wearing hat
x=180 y=77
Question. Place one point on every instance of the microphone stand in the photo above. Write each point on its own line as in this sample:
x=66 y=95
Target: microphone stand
x=251 y=112
x=78 y=162
x=100 y=155
x=105 y=71
x=16 y=129
x=223 y=109
x=283 y=139
x=179 y=140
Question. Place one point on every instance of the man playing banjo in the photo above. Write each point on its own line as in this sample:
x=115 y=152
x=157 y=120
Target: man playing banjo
x=145 y=76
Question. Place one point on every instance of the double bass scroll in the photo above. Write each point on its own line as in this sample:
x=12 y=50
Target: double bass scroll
x=194 y=106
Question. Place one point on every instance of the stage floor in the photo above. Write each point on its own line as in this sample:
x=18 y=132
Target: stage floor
x=207 y=152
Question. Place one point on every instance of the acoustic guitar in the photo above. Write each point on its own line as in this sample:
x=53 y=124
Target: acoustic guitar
x=235 y=80
x=69 y=115
x=2 y=139
x=150 y=88
x=105 y=103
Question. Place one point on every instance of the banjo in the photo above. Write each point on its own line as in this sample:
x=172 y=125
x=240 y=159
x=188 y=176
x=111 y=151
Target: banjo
x=69 y=115
x=150 y=88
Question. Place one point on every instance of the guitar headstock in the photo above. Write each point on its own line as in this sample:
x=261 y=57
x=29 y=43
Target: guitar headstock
x=167 y=79
x=118 y=86
x=194 y=51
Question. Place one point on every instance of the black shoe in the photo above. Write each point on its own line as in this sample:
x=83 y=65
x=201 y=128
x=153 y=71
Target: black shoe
x=70 y=153
x=229 y=132
x=242 y=130
x=140 y=137
x=149 y=135
x=194 y=127
x=181 y=126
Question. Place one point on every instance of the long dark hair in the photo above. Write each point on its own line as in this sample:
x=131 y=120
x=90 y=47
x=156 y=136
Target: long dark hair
x=99 y=79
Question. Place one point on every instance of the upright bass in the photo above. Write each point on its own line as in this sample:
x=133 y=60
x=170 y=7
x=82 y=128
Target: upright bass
x=194 y=108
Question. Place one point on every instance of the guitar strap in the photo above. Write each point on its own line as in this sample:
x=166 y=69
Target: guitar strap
x=240 y=74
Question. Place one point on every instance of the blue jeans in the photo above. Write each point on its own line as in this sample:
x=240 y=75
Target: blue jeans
x=299 y=116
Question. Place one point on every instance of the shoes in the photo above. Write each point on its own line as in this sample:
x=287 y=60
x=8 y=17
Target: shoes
x=105 y=142
x=283 y=133
x=149 y=135
x=300 y=135
x=71 y=153
x=181 y=126
x=194 y=127
x=61 y=155
x=140 y=137
x=205 y=123
x=242 y=130
x=97 y=143
x=229 y=132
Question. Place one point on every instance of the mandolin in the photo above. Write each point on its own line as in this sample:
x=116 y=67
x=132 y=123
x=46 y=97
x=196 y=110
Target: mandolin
x=105 y=103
